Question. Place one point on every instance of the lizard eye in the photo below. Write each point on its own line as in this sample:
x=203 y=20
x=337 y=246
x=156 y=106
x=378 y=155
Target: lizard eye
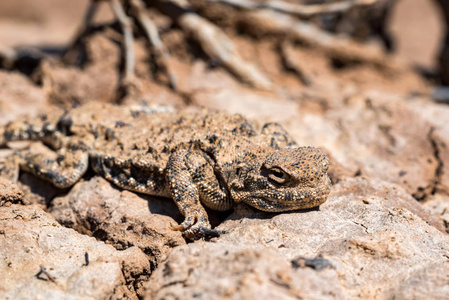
x=277 y=175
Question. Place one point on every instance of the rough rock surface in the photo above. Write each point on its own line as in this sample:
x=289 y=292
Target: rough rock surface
x=365 y=241
x=120 y=218
x=437 y=115
x=76 y=266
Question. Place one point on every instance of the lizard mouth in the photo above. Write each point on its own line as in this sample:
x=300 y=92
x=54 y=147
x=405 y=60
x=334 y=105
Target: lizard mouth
x=289 y=199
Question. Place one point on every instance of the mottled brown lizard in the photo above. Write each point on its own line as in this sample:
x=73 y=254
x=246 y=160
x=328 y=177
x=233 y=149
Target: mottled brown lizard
x=193 y=157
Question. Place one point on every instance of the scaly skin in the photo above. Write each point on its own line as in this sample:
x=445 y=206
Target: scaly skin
x=195 y=158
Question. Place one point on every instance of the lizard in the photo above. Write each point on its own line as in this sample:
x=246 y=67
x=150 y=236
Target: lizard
x=195 y=157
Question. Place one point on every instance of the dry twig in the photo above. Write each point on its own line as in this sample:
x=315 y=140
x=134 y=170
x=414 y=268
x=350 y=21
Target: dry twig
x=341 y=48
x=296 y=9
x=126 y=24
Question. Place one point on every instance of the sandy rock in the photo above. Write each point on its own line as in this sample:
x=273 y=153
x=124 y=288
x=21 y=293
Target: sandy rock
x=217 y=90
x=438 y=204
x=437 y=115
x=365 y=241
x=226 y=271
x=77 y=266
x=430 y=278
x=121 y=218
x=393 y=197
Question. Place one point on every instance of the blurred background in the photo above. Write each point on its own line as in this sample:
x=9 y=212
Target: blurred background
x=416 y=25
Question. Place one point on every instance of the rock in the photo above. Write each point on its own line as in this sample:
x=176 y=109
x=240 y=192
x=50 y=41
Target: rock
x=438 y=204
x=43 y=260
x=120 y=218
x=437 y=115
x=364 y=242
x=430 y=278
x=220 y=271
x=393 y=197
x=38 y=191
x=94 y=74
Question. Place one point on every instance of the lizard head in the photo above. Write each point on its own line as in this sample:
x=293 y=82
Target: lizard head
x=283 y=180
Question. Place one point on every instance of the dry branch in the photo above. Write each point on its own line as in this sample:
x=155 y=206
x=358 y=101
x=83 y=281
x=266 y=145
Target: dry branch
x=296 y=9
x=126 y=25
x=337 y=47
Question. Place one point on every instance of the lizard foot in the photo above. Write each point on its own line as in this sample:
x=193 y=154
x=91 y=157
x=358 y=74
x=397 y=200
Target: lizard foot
x=196 y=230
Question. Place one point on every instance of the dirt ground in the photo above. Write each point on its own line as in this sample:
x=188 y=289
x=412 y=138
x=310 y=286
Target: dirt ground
x=381 y=234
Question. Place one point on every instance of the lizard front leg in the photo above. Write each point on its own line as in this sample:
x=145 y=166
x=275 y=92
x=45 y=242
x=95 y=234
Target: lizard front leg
x=191 y=180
